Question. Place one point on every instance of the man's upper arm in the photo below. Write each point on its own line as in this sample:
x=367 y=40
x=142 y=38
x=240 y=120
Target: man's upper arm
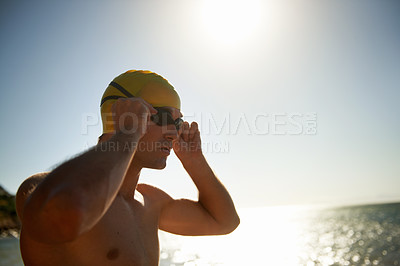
x=25 y=190
x=182 y=216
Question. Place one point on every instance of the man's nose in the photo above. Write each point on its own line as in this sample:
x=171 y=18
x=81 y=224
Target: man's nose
x=171 y=133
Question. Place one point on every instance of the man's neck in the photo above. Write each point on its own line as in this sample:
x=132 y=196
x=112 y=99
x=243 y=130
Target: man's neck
x=128 y=187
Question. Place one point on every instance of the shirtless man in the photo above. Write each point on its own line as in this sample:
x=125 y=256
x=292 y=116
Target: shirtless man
x=91 y=210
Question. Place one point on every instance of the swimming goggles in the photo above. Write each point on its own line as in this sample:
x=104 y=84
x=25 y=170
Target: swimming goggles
x=163 y=117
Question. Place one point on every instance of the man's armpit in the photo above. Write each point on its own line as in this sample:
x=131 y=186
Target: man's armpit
x=26 y=189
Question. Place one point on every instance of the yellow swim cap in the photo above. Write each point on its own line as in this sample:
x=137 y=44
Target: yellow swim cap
x=147 y=85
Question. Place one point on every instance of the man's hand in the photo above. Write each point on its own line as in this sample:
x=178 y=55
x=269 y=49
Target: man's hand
x=188 y=145
x=214 y=213
x=131 y=115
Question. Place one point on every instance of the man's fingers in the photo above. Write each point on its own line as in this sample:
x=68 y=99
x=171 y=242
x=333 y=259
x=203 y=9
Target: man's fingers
x=197 y=135
x=185 y=131
x=151 y=108
x=189 y=131
x=193 y=129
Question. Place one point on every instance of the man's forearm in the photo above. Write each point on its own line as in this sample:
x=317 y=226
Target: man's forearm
x=74 y=196
x=212 y=194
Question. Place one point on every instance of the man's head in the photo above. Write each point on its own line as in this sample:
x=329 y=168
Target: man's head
x=155 y=145
x=147 y=85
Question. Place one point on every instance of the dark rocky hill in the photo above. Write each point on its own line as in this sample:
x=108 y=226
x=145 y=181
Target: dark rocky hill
x=9 y=222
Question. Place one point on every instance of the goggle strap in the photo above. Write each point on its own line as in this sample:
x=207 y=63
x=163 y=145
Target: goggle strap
x=121 y=89
x=115 y=97
x=111 y=97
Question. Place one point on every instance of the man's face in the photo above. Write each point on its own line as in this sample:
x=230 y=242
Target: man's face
x=155 y=146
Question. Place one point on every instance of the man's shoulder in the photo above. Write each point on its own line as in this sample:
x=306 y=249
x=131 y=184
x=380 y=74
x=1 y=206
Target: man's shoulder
x=26 y=189
x=29 y=184
x=154 y=194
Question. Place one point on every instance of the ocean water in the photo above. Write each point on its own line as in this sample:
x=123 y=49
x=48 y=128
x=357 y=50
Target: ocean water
x=356 y=235
x=9 y=252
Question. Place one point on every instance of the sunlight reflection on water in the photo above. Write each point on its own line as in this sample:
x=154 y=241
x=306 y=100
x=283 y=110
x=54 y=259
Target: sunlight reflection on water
x=361 y=235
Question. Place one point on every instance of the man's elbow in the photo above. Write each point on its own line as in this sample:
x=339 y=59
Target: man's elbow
x=230 y=226
x=235 y=224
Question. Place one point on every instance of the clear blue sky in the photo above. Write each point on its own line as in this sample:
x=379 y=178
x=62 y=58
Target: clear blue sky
x=254 y=64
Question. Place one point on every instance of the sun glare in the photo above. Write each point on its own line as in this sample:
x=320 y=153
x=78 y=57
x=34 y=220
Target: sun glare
x=231 y=21
x=266 y=236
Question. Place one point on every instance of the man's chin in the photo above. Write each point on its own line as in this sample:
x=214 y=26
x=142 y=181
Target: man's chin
x=158 y=165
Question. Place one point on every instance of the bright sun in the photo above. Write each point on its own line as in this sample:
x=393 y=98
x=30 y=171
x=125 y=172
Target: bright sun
x=230 y=21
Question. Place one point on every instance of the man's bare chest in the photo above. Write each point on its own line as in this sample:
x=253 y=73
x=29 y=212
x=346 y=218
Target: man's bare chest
x=127 y=234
